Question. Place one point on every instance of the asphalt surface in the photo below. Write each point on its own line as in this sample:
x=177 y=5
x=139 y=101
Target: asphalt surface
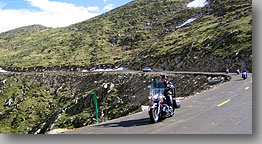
x=226 y=109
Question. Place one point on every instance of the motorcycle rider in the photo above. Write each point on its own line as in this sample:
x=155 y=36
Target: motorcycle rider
x=227 y=70
x=244 y=73
x=238 y=71
x=169 y=90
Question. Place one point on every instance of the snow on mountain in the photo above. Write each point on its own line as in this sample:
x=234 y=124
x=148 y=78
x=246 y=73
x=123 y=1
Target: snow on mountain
x=197 y=3
x=2 y=71
x=193 y=4
x=188 y=21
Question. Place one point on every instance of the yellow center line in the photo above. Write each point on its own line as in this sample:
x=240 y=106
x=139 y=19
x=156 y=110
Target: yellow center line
x=246 y=88
x=224 y=102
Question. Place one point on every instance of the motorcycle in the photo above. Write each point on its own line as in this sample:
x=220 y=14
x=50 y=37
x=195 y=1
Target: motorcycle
x=158 y=108
x=244 y=75
x=227 y=71
x=238 y=71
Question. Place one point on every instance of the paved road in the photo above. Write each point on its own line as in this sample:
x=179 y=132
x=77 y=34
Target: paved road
x=226 y=109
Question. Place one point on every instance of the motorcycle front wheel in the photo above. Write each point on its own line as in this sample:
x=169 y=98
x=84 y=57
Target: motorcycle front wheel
x=154 y=115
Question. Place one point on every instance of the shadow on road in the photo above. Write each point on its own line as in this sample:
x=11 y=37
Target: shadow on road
x=128 y=123
x=239 y=79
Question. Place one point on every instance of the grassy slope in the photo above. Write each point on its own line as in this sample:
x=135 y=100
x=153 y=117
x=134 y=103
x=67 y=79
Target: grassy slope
x=134 y=31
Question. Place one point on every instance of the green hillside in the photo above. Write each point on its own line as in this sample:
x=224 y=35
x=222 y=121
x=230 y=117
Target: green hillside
x=142 y=33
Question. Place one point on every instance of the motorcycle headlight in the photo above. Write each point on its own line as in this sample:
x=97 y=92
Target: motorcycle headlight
x=155 y=97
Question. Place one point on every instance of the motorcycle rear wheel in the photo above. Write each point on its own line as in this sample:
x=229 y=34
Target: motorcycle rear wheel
x=172 y=112
x=154 y=115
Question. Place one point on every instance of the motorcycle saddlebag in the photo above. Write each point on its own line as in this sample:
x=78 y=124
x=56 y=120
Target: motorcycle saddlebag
x=176 y=103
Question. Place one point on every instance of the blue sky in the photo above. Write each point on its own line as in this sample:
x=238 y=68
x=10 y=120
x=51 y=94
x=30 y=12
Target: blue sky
x=51 y=13
x=22 y=4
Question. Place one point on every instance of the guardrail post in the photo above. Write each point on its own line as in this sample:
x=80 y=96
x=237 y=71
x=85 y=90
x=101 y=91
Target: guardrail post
x=95 y=98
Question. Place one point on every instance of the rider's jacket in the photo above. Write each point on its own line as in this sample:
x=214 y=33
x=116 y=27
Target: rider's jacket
x=169 y=87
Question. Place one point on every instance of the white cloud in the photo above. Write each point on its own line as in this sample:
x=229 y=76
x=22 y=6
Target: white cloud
x=108 y=7
x=105 y=0
x=94 y=9
x=52 y=14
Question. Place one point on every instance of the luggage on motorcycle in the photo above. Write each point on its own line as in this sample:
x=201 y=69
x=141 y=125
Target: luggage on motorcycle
x=176 y=103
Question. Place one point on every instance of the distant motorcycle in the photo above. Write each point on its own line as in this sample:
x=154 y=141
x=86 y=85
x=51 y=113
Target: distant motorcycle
x=158 y=108
x=227 y=71
x=244 y=75
x=238 y=71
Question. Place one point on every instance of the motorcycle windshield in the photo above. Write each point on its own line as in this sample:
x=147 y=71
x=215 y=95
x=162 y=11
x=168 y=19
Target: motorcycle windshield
x=158 y=84
x=157 y=88
x=157 y=92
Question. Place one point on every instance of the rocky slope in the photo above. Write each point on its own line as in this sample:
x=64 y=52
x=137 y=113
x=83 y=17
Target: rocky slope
x=39 y=102
x=142 y=33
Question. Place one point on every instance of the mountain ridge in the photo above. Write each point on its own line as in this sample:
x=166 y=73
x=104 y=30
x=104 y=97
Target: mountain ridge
x=144 y=33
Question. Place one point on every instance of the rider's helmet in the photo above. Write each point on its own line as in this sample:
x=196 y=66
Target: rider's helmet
x=163 y=78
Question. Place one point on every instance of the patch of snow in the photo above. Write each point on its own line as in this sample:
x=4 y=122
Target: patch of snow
x=121 y=69
x=3 y=71
x=188 y=21
x=84 y=71
x=101 y=70
x=197 y=3
x=105 y=70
